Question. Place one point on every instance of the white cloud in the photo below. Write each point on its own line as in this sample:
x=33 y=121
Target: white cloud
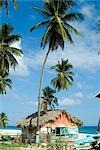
x=22 y=99
x=79 y=95
x=88 y=10
x=16 y=96
x=30 y=103
x=16 y=44
x=69 y=102
x=79 y=85
x=22 y=68
x=82 y=55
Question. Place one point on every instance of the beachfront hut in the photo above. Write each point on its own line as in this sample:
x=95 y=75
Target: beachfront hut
x=53 y=122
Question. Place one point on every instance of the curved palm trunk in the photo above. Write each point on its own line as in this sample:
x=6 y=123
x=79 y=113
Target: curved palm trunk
x=40 y=88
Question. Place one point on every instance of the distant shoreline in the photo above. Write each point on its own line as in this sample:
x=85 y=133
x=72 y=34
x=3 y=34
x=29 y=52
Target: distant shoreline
x=10 y=132
x=10 y=128
x=83 y=129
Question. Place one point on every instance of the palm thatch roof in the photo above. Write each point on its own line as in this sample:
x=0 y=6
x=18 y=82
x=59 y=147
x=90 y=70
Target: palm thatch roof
x=50 y=115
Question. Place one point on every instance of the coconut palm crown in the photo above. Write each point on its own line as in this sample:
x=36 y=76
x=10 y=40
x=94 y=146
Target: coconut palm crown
x=7 y=52
x=49 y=99
x=58 y=29
x=64 y=76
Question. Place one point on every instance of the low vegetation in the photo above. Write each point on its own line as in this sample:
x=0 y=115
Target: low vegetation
x=12 y=146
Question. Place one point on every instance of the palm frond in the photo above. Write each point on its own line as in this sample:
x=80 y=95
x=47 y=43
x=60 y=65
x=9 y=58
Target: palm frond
x=64 y=76
x=15 y=51
x=5 y=83
x=42 y=12
x=6 y=6
x=73 y=16
x=12 y=38
x=68 y=36
x=45 y=37
x=1 y=3
x=39 y=24
x=62 y=30
x=12 y=60
x=15 y=4
x=49 y=7
x=71 y=29
x=49 y=98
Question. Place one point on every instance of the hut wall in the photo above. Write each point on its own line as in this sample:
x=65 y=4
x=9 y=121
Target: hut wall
x=60 y=122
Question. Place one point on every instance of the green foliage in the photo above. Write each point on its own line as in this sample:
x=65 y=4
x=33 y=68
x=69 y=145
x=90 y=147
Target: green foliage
x=5 y=83
x=58 y=14
x=8 y=55
x=3 y=119
x=7 y=52
x=58 y=145
x=63 y=79
x=12 y=146
x=49 y=98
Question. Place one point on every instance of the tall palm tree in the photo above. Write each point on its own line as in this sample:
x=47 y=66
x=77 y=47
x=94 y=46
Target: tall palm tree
x=49 y=99
x=58 y=30
x=5 y=4
x=7 y=52
x=64 y=76
x=3 y=119
x=5 y=83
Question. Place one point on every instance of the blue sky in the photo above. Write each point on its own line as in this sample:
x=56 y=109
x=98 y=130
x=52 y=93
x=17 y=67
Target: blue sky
x=80 y=99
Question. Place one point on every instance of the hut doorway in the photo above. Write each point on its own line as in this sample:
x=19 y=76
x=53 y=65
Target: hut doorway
x=57 y=131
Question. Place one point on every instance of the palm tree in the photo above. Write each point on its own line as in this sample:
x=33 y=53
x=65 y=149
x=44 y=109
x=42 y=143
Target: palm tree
x=58 y=29
x=63 y=79
x=3 y=119
x=49 y=99
x=7 y=52
x=5 y=4
x=5 y=82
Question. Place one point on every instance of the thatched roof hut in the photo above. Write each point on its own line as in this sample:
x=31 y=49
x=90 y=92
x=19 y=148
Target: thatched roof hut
x=49 y=116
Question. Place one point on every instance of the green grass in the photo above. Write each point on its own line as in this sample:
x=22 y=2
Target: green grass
x=12 y=146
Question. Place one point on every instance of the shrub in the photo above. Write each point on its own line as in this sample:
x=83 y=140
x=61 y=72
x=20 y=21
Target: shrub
x=58 y=145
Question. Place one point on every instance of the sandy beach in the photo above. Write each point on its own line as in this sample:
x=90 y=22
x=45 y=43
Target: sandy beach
x=19 y=132
x=10 y=132
x=83 y=135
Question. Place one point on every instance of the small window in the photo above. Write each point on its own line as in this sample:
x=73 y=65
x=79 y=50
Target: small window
x=61 y=131
x=57 y=131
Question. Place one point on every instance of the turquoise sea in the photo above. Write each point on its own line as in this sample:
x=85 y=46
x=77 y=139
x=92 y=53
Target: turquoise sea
x=88 y=129
x=11 y=128
x=84 y=129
